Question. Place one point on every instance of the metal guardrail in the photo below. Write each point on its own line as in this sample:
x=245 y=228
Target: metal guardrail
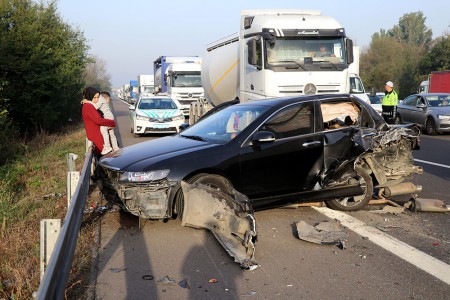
x=55 y=278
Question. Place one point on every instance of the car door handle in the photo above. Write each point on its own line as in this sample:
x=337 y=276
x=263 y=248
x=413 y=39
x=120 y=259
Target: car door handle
x=308 y=144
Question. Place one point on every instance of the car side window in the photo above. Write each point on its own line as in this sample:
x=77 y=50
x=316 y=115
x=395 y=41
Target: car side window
x=291 y=121
x=410 y=101
x=337 y=114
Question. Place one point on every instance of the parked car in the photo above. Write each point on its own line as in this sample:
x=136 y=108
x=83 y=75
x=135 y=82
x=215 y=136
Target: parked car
x=156 y=114
x=376 y=100
x=332 y=148
x=430 y=111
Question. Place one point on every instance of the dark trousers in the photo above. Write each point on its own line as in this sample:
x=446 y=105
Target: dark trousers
x=389 y=113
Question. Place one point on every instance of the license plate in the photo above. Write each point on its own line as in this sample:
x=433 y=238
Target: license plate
x=160 y=125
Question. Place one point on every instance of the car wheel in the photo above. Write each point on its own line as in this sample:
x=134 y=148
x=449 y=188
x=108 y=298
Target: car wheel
x=397 y=120
x=212 y=180
x=430 y=127
x=355 y=202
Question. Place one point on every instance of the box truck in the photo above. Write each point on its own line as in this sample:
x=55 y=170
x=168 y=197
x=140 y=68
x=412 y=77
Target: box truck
x=180 y=78
x=438 y=82
x=146 y=85
x=132 y=95
x=279 y=53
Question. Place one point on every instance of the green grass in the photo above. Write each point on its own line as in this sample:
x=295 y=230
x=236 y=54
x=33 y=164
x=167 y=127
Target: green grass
x=42 y=171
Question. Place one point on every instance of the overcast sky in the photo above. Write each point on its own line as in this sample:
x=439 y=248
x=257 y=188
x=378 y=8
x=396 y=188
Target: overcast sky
x=130 y=34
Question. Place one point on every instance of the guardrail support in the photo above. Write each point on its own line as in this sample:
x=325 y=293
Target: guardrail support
x=72 y=176
x=49 y=234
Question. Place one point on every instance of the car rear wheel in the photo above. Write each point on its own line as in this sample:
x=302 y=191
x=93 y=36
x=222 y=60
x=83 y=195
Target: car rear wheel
x=430 y=127
x=212 y=180
x=355 y=202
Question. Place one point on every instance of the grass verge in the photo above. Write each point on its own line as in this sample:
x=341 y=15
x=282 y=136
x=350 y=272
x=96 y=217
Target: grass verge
x=32 y=188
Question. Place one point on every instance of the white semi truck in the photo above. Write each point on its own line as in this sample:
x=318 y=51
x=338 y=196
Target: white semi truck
x=146 y=85
x=180 y=78
x=279 y=53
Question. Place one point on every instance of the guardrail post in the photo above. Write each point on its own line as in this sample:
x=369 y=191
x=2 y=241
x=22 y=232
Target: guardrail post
x=49 y=234
x=72 y=176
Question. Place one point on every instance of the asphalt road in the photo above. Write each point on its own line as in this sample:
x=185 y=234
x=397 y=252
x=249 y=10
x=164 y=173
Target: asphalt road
x=290 y=268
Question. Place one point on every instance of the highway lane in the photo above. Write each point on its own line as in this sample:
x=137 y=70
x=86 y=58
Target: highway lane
x=290 y=268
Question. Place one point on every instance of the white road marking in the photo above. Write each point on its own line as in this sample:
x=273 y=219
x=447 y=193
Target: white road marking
x=421 y=260
x=432 y=163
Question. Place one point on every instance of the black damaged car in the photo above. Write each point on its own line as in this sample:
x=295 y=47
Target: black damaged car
x=332 y=148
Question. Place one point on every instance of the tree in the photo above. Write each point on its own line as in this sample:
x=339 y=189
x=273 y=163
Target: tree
x=395 y=55
x=411 y=29
x=96 y=74
x=438 y=58
x=42 y=60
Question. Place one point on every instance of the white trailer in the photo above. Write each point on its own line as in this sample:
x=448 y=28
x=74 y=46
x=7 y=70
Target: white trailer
x=146 y=85
x=279 y=53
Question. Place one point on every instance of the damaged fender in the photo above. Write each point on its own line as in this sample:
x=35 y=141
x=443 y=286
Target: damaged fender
x=228 y=216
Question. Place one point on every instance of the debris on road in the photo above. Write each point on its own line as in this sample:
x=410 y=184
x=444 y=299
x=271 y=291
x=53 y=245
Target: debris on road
x=252 y=293
x=213 y=280
x=147 y=277
x=389 y=210
x=325 y=233
x=167 y=280
x=228 y=216
x=184 y=284
x=117 y=270
x=428 y=205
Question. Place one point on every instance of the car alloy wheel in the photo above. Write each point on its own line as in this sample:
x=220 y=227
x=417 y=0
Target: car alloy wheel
x=431 y=127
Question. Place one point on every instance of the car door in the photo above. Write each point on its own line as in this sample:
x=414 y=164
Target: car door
x=406 y=109
x=288 y=164
x=418 y=111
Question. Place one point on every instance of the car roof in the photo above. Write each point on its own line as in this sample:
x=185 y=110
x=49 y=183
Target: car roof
x=156 y=97
x=430 y=94
x=294 y=99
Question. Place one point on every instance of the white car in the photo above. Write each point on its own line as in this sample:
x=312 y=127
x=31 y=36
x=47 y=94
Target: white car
x=375 y=101
x=156 y=114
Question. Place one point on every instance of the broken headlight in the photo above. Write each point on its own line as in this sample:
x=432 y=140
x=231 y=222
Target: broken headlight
x=144 y=176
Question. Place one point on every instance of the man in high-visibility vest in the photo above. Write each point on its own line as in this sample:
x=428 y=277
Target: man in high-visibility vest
x=389 y=103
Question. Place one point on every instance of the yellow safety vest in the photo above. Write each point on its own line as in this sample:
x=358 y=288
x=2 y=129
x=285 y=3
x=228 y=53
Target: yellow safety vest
x=390 y=99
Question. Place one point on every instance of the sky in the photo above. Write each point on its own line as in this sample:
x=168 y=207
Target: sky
x=130 y=35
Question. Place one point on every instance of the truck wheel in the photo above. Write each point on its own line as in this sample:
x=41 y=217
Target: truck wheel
x=212 y=180
x=355 y=202
x=430 y=126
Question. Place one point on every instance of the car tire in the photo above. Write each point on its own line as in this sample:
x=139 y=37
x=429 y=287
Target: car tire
x=398 y=120
x=212 y=180
x=430 y=126
x=356 y=202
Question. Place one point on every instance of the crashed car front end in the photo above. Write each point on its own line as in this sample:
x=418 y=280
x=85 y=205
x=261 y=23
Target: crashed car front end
x=144 y=194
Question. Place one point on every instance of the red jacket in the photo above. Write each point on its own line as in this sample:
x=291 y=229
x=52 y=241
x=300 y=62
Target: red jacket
x=92 y=122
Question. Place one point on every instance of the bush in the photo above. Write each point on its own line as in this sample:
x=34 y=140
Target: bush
x=10 y=147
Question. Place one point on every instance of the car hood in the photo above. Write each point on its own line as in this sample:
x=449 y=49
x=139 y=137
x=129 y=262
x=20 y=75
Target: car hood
x=158 y=113
x=141 y=157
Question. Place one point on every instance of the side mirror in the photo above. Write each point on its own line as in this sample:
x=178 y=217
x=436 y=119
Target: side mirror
x=252 y=59
x=131 y=107
x=262 y=137
x=349 y=51
x=421 y=105
x=183 y=126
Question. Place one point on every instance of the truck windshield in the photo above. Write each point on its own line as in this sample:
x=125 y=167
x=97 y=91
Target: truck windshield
x=149 y=89
x=306 y=54
x=135 y=89
x=187 y=79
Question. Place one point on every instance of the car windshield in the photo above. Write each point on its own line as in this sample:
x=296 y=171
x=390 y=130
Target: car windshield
x=191 y=79
x=149 y=89
x=438 y=100
x=224 y=125
x=157 y=103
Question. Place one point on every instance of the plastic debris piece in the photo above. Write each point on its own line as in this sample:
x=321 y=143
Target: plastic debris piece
x=213 y=280
x=184 y=284
x=252 y=293
x=389 y=210
x=325 y=233
x=167 y=280
x=117 y=270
